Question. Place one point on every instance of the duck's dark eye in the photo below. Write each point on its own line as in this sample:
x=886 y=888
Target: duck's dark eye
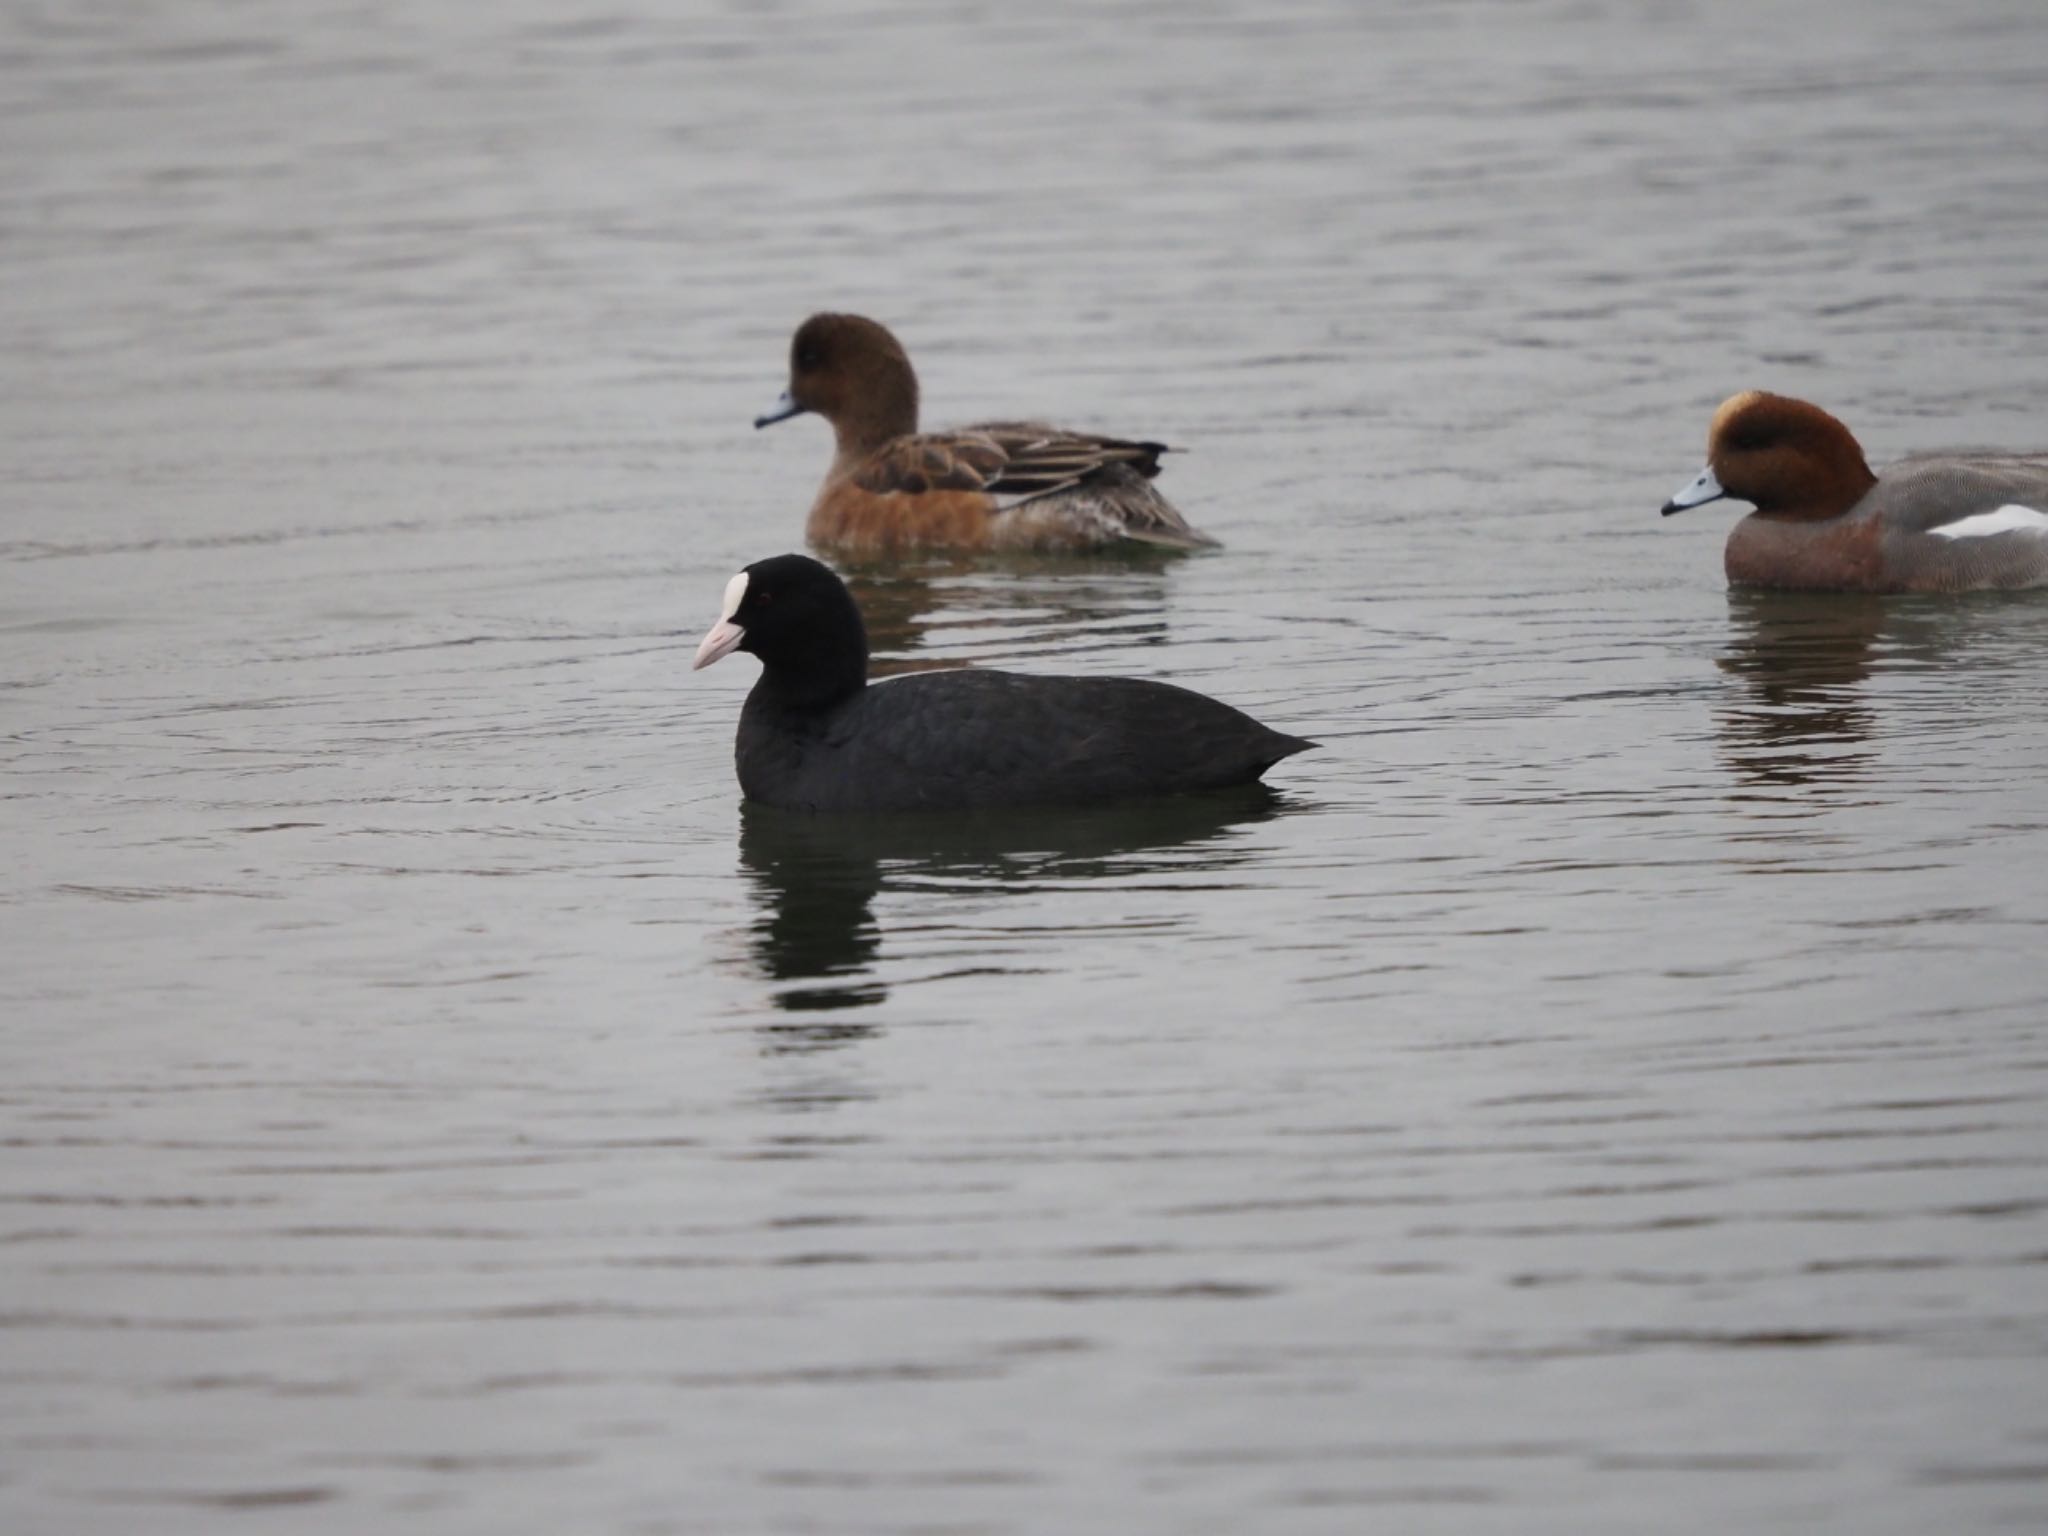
x=763 y=598
x=807 y=357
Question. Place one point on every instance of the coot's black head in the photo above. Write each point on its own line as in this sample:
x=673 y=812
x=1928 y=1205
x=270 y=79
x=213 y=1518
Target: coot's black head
x=798 y=617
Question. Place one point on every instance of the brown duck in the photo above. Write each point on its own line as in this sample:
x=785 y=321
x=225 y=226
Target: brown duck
x=996 y=485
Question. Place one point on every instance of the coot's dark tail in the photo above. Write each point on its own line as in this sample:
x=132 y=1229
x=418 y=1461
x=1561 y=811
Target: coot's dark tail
x=1281 y=747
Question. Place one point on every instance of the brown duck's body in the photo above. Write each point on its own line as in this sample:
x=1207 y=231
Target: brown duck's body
x=1002 y=485
x=995 y=486
x=1890 y=538
x=1941 y=522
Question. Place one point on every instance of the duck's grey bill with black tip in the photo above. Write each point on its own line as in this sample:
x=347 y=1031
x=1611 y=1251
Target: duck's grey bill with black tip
x=724 y=637
x=785 y=406
x=1696 y=492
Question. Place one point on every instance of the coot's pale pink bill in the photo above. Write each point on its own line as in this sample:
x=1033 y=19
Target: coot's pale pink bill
x=724 y=636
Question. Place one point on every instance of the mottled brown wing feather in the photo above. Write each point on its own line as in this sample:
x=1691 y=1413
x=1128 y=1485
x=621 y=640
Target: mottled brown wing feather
x=911 y=466
x=1041 y=461
x=1015 y=461
x=1102 y=478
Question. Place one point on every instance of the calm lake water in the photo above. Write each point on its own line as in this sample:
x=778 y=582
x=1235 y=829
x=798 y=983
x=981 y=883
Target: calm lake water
x=1602 y=1090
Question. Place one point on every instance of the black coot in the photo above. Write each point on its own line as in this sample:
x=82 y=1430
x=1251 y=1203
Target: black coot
x=814 y=735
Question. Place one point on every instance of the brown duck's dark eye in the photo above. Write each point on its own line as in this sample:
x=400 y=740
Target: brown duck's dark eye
x=807 y=357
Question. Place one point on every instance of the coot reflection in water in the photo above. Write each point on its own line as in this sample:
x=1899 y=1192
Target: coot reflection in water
x=814 y=879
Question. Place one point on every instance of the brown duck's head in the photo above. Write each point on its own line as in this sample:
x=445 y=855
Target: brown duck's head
x=1784 y=456
x=851 y=371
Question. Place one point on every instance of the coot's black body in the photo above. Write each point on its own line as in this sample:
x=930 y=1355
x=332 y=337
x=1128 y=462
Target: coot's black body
x=944 y=741
x=815 y=736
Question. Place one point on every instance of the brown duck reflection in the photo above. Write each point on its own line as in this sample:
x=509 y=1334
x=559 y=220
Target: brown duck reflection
x=1804 y=656
x=1806 y=716
x=1008 y=610
x=814 y=880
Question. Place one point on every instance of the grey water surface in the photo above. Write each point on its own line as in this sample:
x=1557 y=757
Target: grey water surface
x=1601 y=1090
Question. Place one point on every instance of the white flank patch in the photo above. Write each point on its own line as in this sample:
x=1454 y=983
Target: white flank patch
x=2010 y=518
x=735 y=594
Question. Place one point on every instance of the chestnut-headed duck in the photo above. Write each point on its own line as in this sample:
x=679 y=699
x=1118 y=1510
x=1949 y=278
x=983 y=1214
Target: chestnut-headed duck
x=997 y=485
x=1934 y=522
x=814 y=736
